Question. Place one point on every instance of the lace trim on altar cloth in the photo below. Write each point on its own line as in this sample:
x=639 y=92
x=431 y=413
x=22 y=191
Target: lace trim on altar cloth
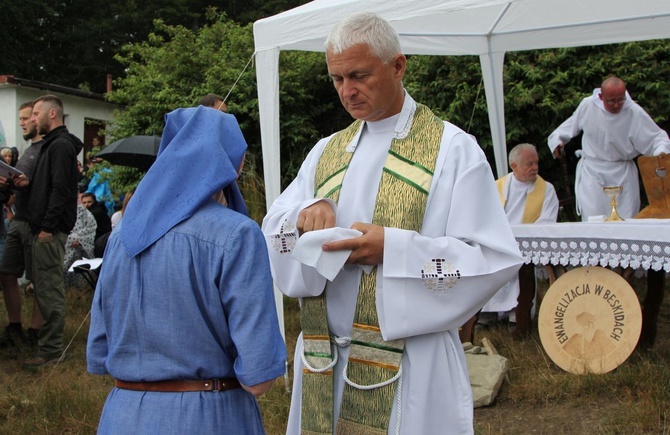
x=596 y=252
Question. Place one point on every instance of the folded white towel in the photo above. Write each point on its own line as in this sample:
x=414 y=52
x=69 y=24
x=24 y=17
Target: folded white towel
x=308 y=250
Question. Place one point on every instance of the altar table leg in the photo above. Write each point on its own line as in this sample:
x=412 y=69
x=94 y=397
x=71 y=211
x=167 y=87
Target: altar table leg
x=651 y=307
x=525 y=300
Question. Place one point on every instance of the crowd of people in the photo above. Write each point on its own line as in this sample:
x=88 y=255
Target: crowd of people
x=47 y=226
x=393 y=235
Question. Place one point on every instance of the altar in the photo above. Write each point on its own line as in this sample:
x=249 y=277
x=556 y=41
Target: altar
x=634 y=243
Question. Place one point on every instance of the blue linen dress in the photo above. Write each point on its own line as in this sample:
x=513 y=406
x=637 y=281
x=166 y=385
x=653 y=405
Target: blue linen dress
x=196 y=304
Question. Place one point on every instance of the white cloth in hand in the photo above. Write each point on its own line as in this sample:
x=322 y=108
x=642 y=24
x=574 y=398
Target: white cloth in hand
x=308 y=250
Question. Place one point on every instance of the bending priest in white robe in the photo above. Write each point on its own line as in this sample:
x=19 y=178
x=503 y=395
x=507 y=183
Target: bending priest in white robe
x=616 y=130
x=524 y=202
x=464 y=228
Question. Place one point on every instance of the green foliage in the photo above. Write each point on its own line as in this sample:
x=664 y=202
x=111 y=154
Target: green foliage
x=253 y=189
x=122 y=179
x=170 y=70
x=167 y=54
x=20 y=44
x=73 y=42
x=309 y=107
x=176 y=66
x=542 y=89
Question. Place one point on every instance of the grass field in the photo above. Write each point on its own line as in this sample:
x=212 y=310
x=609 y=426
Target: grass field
x=538 y=398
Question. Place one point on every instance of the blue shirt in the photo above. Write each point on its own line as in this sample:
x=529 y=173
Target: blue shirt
x=196 y=304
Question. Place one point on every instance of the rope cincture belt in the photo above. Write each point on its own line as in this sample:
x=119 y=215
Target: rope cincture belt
x=181 y=386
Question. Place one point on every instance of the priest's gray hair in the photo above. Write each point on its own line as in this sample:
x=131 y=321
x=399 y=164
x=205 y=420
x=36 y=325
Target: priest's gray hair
x=365 y=28
x=515 y=154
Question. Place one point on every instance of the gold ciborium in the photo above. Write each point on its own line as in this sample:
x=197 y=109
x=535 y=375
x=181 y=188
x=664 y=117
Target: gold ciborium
x=613 y=192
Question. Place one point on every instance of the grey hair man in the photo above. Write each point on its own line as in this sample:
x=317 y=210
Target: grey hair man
x=407 y=202
x=616 y=130
x=527 y=198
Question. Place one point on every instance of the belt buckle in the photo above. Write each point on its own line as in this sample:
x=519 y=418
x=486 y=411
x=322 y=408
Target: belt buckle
x=217 y=384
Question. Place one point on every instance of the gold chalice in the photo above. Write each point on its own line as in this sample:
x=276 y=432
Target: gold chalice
x=613 y=192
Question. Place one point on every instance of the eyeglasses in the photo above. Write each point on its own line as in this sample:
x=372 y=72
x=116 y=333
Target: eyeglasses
x=620 y=100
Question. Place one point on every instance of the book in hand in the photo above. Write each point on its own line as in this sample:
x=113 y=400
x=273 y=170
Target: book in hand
x=8 y=171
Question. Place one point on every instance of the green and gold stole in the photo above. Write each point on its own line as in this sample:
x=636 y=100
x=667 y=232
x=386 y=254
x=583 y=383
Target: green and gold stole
x=534 y=200
x=401 y=203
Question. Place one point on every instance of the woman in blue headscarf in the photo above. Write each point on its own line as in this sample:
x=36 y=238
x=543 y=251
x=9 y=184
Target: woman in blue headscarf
x=183 y=316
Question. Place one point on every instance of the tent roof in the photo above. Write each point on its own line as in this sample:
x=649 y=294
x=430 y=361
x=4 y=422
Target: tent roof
x=457 y=27
x=487 y=28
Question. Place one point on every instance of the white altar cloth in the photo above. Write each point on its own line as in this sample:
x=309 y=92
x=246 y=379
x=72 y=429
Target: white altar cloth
x=635 y=243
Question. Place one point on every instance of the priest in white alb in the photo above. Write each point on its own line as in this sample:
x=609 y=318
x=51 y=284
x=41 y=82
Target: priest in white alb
x=527 y=198
x=410 y=202
x=616 y=130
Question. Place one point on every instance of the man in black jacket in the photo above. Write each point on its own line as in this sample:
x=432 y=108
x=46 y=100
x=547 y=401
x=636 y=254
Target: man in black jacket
x=52 y=212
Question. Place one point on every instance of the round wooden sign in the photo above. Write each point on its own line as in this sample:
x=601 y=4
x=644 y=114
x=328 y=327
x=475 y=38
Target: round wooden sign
x=590 y=320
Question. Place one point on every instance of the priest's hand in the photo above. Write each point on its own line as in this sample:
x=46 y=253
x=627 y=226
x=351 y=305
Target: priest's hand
x=367 y=249
x=317 y=216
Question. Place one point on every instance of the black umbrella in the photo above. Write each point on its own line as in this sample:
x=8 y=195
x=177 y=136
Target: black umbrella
x=135 y=151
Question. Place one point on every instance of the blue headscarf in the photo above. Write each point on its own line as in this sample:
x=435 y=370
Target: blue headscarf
x=200 y=152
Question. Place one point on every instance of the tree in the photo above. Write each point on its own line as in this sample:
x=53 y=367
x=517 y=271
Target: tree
x=73 y=42
x=542 y=89
x=20 y=46
x=176 y=66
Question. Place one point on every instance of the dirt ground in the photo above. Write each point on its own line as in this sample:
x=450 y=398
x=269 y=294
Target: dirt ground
x=506 y=416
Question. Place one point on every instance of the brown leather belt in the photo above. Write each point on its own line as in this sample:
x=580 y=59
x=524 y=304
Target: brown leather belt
x=180 y=386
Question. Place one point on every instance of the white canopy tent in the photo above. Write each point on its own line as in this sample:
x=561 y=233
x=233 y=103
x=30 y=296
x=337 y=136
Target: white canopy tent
x=487 y=28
